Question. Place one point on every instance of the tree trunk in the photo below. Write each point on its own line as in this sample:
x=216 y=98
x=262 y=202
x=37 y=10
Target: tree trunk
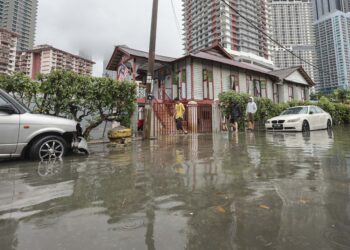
x=92 y=126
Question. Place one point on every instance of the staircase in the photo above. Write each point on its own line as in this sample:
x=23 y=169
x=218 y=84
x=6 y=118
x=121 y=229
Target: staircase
x=164 y=117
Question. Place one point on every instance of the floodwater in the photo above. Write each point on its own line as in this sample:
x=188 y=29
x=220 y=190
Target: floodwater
x=252 y=191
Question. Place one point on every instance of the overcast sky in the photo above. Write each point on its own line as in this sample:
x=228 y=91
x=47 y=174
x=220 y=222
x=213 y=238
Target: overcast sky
x=96 y=26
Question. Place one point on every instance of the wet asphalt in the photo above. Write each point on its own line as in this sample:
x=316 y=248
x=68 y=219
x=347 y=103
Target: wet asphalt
x=251 y=190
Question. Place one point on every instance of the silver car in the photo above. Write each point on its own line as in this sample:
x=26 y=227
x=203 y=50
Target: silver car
x=38 y=137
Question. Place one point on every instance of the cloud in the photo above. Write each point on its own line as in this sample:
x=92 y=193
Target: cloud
x=95 y=27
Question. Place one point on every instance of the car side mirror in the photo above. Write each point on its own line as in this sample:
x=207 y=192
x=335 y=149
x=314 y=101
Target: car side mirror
x=8 y=109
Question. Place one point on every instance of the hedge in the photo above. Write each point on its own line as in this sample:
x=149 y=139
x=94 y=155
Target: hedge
x=340 y=112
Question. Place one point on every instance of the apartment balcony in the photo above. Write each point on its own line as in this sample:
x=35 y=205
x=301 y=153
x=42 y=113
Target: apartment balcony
x=4 y=61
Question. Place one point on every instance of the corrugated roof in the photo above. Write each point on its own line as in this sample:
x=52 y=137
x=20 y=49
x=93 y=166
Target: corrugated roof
x=139 y=53
x=121 y=50
x=284 y=73
x=211 y=57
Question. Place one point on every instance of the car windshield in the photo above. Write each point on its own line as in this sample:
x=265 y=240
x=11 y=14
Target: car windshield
x=14 y=100
x=295 y=111
x=28 y=110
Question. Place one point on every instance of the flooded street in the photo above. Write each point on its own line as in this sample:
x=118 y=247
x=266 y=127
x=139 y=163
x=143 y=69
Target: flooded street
x=252 y=191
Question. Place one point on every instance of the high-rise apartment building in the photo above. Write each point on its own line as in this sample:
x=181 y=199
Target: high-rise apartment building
x=44 y=58
x=20 y=16
x=332 y=31
x=292 y=26
x=208 y=22
x=8 y=43
x=323 y=8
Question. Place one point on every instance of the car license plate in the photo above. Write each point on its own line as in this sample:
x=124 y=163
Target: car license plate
x=277 y=126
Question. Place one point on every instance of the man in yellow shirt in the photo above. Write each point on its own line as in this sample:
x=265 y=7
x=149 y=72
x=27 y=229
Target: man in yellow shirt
x=179 y=114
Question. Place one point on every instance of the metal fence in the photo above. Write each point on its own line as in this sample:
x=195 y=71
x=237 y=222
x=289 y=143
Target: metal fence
x=197 y=118
x=205 y=117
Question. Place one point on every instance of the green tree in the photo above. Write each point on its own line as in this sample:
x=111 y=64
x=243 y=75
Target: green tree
x=20 y=86
x=342 y=95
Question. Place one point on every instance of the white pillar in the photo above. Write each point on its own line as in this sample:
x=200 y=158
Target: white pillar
x=193 y=116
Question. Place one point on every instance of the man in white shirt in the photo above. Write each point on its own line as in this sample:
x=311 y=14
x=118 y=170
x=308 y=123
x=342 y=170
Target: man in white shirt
x=250 y=111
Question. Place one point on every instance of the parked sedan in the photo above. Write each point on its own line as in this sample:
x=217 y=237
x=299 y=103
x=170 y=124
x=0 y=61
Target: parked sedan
x=39 y=137
x=300 y=118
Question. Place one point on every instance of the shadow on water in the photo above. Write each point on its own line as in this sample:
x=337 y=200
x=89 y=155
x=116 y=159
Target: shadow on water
x=222 y=191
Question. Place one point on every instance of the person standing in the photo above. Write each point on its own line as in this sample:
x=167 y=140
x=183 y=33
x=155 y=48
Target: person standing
x=179 y=114
x=235 y=115
x=250 y=111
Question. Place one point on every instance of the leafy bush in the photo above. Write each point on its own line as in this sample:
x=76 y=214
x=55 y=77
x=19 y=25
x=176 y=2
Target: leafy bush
x=267 y=108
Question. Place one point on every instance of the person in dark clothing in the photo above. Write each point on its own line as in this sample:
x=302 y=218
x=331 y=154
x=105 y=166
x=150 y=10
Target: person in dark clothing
x=235 y=115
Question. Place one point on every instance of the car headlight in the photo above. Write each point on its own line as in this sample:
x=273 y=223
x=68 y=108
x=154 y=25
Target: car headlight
x=294 y=120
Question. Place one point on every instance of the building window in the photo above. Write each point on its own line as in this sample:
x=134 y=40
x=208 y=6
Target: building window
x=182 y=85
x=290 y=93
x=234 y=81
x=208 y=84
x=257 y=88
x=303 y=94
x=275 y=93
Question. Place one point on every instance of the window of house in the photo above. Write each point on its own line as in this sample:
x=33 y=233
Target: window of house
x=248 y=83
x=182 y=85
x=303 y=94
x=257 y=88
x=208 y=84
x=275 y=93
x=263 y=87
x=290 y=93
x=234 y=81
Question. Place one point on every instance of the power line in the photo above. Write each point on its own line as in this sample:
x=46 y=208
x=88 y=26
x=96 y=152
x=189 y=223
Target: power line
x=175 y=17
x=268 y=36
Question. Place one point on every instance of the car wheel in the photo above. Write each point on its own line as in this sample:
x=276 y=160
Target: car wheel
x=48 y=148
x=305 y=127
x=329 y=125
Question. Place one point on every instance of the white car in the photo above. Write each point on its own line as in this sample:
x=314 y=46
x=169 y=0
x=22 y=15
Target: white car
x=300 y=118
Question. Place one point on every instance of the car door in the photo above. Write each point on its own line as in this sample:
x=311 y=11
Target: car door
x=314 y=118
x=9 y=130
x=317 y=118
x=323 y=117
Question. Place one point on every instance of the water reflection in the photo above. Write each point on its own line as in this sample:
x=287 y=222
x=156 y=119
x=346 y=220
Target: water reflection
x=247 y=191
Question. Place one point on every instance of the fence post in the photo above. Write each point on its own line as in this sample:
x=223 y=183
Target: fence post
x=193 y=116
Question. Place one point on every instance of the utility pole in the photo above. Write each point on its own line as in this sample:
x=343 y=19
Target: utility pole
x=150 y=73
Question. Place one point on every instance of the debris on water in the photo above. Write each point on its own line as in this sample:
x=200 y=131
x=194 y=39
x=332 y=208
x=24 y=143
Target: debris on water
x=264 y=207
x=302 y=201
x=220 y=209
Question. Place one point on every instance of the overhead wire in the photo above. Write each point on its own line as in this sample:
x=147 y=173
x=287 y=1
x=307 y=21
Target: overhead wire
x=268 y=36
x=176 y=18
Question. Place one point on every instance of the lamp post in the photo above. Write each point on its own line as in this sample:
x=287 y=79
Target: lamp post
x=150 y=72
